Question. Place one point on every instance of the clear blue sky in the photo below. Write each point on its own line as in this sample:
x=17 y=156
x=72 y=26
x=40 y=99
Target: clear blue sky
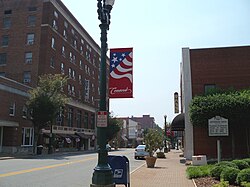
x=158 y=30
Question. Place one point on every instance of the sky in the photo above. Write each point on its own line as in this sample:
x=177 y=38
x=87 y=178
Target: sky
x=157 y=31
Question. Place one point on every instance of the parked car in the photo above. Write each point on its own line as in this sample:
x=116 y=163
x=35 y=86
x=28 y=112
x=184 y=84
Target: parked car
x=140 y=152
x=108 y=147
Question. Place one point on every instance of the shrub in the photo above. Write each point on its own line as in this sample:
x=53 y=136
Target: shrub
x=216 y=171
x=198 y=171
x=242 y=164
x=222 y=184
x=227 y=163
x=247 y=160
x=243 y=176
x=245 y=184
x=229 y=174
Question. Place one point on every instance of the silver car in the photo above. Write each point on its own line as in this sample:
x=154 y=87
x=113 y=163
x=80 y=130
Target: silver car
x=140 y=151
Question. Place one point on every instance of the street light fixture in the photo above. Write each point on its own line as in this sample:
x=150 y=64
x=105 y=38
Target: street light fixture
x=165 y=133
x=102 y=176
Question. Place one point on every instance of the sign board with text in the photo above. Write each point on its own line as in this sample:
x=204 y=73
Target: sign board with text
x=218 y=126
x=102 y=119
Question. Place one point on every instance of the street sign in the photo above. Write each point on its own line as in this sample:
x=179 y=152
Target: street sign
x=218 y=126
x=102 y=119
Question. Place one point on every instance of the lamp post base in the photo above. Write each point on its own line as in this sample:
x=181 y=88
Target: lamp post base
x=102 y=177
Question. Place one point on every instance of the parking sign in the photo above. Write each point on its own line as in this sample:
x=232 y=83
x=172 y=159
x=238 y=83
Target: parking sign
x=102 y=119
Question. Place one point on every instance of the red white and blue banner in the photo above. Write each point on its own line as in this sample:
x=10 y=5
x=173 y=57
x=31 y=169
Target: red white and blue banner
x=121 y=73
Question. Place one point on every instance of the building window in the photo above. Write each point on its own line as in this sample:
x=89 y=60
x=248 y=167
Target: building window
x=92 y=121
x=7 y=12
x=62 y=68
x=12 y=109
x=3 y=58
x=28 y=57
x=31 y=20
x=54 y=24
x=65 y=24
x=2 y=74
x=70 y=71
x=75 y=44
x=86 y=120
x=27 y=136
x=52 y=62
x=55 y=14
x=60 y=117
x=6 y=22
x=79 y=119
x=53 y=43
x=70 y=117
x=81 y=64
x=30 y=39
x=5 y=41
x=80 y=79
x=65 y=34
x=208 y=88
x=32 y=9
x=73 y=90
x=24 y=115
x=73 y=74
x=63 y=51
x=26 y=77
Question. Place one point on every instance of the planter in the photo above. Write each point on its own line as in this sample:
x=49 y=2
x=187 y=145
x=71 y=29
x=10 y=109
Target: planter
x=150 y=161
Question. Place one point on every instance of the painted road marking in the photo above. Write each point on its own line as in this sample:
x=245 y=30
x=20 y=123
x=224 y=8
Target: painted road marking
x=44 y=167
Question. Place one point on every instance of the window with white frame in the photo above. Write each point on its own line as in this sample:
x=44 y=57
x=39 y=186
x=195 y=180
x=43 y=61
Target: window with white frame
x=24 y=115
x=31 y=20
x=53 y=43
x=55 y=14
x=26 y=76
x=12 y=109
x=73 y=74
x=63 y=51
x=70 y=72
x=30 y=39
x=65 y=34
x=62 y=68
x=81 y=65
x=52 y=62
x=27 y=136
x=28 y=57
x=54 y=24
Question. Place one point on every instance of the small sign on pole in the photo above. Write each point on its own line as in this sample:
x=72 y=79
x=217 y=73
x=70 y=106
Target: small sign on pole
x=102 y=119
x=218 y=126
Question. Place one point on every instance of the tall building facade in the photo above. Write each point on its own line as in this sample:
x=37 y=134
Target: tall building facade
x=43 y=37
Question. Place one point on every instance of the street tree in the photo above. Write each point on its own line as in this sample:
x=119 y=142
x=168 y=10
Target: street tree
x=45 y=102
x=114 y=126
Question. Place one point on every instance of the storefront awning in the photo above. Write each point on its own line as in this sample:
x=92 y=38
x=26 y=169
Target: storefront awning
x=178 y=123
x=4 y=123
x=84 y=136
x=64 y=135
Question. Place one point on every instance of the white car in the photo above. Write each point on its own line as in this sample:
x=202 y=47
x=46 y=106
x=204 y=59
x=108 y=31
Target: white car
x=140 y=151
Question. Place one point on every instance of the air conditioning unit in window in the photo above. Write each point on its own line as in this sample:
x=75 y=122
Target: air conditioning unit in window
x=29 y=61
x=55 y=27
x=26 y=80
x=30 y=42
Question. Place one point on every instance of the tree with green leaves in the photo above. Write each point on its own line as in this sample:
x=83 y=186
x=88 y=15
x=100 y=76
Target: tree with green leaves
x=45 y=102
x=114 y=126
x=153 y=141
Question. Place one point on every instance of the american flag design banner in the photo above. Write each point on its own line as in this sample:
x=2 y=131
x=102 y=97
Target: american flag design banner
x=121 y=73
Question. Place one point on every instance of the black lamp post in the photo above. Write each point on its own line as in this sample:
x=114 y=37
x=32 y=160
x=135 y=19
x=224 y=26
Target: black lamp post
x=165 y=133
x=102 y=176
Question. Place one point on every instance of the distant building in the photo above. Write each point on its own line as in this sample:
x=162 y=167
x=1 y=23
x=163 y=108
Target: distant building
x=203 y=69
x=43 y=37
x=146 y=121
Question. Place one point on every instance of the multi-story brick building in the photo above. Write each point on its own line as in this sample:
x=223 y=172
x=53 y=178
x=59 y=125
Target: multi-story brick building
x=43 y=37
x=202 y=69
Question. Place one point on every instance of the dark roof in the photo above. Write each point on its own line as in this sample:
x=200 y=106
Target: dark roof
x=178 y=123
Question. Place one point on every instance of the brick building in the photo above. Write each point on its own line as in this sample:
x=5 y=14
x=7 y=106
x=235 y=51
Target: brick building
x=43 y=37
x=202 y=69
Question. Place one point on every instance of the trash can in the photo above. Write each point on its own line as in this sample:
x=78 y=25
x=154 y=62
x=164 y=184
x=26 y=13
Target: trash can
x=39 y=149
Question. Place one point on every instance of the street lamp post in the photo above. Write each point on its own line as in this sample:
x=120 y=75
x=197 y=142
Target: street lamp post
x=165 y=133
x=102 y=176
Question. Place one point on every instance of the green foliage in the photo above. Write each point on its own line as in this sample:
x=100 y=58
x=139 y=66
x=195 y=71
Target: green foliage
x=153 y=141
x=243 y=176
x=227 y=163
x=114 y=126
x=46 y=99
x=230 y=105
x=216 y=171
x=198 y=171
x=222 y=184
x=242 y=164
x=245 y=184
x=247 y=160
x=229 y=174
x=160 y=155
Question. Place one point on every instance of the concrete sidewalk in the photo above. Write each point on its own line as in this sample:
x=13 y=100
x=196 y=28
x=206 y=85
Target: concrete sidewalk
x=168 y=172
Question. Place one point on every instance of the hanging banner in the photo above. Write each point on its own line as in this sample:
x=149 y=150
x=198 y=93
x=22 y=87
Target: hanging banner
x=121 y=73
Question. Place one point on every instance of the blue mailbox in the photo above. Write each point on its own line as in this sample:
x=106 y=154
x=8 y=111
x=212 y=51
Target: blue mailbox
x=120 y=169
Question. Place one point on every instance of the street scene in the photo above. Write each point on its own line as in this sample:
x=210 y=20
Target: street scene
x=109 y=93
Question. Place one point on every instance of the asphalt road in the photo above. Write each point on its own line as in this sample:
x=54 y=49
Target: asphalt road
x=58 y=170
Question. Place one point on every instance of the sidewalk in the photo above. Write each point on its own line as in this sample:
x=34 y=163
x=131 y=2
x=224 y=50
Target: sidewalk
x=168 y=172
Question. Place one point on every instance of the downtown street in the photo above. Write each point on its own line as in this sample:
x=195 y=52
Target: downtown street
x=60 y=169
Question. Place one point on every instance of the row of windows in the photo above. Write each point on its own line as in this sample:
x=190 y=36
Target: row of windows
x=60 y=117
x=31 y=21
x=30 y=38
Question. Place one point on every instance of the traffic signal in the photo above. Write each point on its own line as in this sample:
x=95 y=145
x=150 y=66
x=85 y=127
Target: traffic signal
x=176 y=102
